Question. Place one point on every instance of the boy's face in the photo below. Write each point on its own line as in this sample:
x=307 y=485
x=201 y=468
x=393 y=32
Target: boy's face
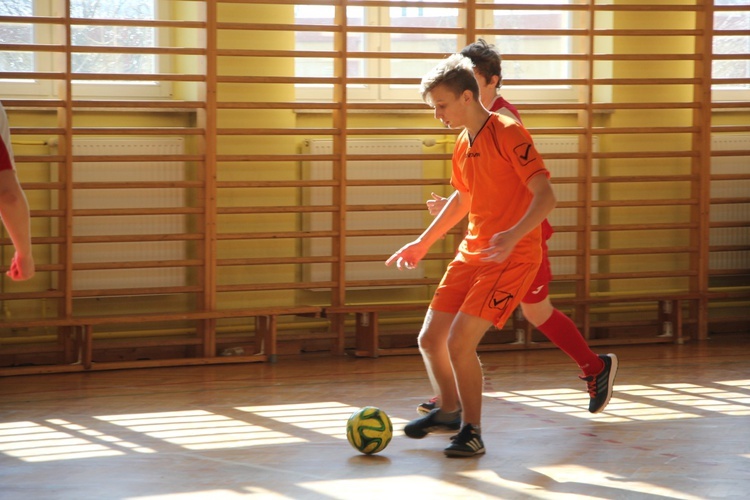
x=449 y=108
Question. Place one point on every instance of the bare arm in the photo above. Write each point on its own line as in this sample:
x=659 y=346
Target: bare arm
x=542 y=203
x=436 y=204
x=14 y=210
x=455 y=209
x=452 y=213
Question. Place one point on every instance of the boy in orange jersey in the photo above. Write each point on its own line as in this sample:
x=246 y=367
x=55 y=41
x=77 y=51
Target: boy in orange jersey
x=503 y=186
x=598 y=371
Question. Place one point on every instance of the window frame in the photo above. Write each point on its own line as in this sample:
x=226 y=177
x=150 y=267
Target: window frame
x=719 y=92
x=576 y=69
x=380 y=67
x=41 y=35
x=44 y=34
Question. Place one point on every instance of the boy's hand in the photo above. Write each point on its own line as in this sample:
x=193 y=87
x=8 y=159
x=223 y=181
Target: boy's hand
x=408 y=256
x=501 y=246
x=436 y=204
x=21 y=268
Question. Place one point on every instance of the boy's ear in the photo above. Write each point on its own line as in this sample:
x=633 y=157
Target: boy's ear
x=467 y=96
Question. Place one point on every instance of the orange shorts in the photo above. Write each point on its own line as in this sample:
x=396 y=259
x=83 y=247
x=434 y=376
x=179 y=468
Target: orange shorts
x=490 y=291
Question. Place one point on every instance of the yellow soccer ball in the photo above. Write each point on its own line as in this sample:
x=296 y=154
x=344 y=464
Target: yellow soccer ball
x=369 y=430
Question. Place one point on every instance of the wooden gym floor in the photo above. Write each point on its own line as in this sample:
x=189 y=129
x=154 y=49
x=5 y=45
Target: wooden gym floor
x=678 y=426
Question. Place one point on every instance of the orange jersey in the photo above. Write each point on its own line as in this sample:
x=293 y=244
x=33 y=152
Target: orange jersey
x=494 y=169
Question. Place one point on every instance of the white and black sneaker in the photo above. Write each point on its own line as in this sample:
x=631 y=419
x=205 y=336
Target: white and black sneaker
x=466 y=443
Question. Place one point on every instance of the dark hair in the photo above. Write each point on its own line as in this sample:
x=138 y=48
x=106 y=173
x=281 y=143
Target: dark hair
x=486 y=58
x=456 y=73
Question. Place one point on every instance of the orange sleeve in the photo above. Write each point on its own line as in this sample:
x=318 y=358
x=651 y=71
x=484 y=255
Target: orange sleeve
x=518 y=147
x=459 y=151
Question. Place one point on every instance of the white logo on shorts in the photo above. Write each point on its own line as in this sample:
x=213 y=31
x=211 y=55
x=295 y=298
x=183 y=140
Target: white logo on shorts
x=539 y=289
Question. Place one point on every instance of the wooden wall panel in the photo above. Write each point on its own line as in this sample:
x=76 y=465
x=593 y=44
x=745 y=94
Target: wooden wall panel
x=648 y=214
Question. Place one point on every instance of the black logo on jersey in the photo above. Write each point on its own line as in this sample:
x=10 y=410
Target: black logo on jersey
x=525 y=153
x=472 y=155
x=500 y=300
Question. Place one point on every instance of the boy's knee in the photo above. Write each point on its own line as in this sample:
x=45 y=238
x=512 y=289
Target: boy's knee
x=426 y=342
x=458 y=348
x=538 y=313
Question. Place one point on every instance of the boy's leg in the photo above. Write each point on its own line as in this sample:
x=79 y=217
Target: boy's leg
x=465 y=334
x=558 y=328
x=433 y=344
x=562 y=332
x=599 y=371
x=433 y=337
x=494 y=295
x=495 y=292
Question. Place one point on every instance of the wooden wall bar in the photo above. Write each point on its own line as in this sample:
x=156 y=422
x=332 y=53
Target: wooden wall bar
x=305 y=157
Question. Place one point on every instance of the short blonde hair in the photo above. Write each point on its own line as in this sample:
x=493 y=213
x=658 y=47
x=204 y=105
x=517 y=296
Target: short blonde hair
x=456 y=73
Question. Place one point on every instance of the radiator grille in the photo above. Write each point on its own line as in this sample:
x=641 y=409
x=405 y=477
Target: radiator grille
x=560 y=168
x=319 y=170
x=734 y=235
x=365 y=195
x=128 y=198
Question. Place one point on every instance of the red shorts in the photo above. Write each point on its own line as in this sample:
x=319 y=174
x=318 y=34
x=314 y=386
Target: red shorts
x=539 y=289
x=489 y=291
x=6 y=160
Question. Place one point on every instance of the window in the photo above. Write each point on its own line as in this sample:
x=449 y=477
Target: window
x=547 y=43
x=437 y=32
x=102 y=38
x=22 y=34
x=322 y=67
x=433 y=19
x=731 y=28
x=428 y=21
x=12 y=33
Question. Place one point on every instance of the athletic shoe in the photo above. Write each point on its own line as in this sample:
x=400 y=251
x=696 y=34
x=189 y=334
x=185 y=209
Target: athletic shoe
x=466 y=443
x=600 y=386
x=427 y=406
x=420 y=427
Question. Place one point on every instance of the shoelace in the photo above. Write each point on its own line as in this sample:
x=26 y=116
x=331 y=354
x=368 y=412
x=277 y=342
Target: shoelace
x=590 y=384
x=464 y=430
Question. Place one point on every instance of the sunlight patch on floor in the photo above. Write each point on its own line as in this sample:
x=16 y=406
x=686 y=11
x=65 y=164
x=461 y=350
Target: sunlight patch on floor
x=58 y=439
x=328 y=418
x=33 y=442
x=614 y=484
x=200 y=430
x=699 y=397
x=640 y=402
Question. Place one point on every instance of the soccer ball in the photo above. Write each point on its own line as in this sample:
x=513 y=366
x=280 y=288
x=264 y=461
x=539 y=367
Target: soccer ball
x=369 y=430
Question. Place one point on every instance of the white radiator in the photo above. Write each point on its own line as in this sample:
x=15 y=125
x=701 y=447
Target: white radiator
x=115 y=225
x=560 y=168
x=321 y=170
x=364 y=195
x=730 y=212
